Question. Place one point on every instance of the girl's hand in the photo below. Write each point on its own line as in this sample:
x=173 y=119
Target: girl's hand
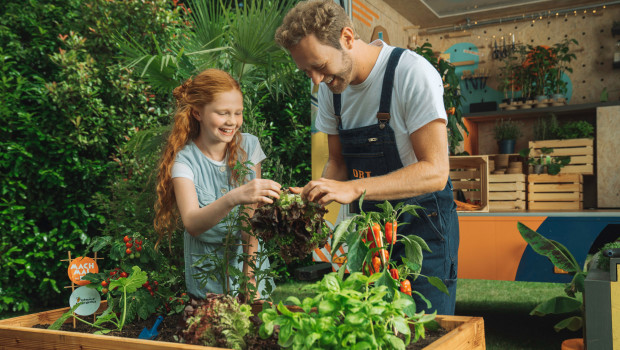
x=261 y=191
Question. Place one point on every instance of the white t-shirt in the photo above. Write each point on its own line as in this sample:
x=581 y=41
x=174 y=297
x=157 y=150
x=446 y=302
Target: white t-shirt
x=417 y=99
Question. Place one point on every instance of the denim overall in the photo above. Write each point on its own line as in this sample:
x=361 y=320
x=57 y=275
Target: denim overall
x=371 y=151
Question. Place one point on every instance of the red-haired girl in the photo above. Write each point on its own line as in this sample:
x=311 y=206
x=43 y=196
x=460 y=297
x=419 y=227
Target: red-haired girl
x=197 y=178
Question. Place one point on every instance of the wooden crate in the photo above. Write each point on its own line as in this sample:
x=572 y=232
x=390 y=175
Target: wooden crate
x=555 y=192
x=507 y=192
x=581 y=152
x=466 y=333
x=471 y=175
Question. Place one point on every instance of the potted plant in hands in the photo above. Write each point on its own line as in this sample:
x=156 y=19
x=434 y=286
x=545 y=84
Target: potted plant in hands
x=563 y=57
x=506 y=134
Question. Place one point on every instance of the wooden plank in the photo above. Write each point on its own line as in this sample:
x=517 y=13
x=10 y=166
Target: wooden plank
x=554 y=188
x=554 y=205
x=560 y=178
x=562 y=143
x=504 y=187
x=568 y=152
x=464 y=335
x=464 y=174
x=506 y=196
x=576 y=160
x=20 y=338
x=466 y=185
x=507 y=205
x=578 y=169
x=552 y=197
x=495 y=178
x=467 y=161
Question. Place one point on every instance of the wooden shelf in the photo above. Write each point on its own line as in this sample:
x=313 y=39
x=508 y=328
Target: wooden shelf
x=573 y=109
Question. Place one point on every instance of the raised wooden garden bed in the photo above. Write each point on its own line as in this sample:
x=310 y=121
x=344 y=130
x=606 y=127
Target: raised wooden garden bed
x=555 y=192
x=507 y=192
x=466 y=333
x=470 y=174
x=581 y=152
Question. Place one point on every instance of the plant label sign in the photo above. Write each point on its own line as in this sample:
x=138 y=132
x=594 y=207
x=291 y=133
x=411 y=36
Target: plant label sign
x=89 y=298
x=79 y=267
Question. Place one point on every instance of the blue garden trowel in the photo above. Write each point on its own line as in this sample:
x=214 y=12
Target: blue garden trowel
x=151 y=333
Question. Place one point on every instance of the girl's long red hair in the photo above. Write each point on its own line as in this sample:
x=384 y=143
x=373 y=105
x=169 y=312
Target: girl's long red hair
x=191 y=97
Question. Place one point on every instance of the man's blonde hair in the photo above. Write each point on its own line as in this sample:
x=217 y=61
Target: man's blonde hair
x=323 y=18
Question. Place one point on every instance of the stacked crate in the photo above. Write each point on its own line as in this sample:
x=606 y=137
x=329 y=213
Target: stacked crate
x=507 y=192
x=581 y=152
x=555 y=192
x=470 y=174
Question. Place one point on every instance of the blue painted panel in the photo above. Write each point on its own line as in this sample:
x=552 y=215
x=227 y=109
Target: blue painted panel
x=576 y=233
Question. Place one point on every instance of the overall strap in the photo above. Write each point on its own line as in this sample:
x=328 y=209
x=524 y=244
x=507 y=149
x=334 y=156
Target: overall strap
x=388 y=83
x=337 y=103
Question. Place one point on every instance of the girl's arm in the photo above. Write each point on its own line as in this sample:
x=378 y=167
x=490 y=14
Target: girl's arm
x=198 y=220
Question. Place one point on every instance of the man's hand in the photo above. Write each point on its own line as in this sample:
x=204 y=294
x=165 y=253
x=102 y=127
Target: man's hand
x=324 y=191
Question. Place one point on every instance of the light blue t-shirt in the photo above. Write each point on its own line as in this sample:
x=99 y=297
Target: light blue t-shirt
x=211 y=179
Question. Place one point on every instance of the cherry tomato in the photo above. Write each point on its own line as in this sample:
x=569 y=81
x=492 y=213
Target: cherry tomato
x=139 y=248
x=128 y=251
x=124 y=274
x=104 y=290
x=128 y=245
x=104 y=283
x=126 y=239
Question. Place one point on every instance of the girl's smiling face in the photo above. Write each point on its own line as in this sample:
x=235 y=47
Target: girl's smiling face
x=220 y=119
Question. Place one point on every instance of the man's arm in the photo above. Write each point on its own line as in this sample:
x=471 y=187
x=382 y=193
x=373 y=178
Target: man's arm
x=335 y=168
x=429 y=174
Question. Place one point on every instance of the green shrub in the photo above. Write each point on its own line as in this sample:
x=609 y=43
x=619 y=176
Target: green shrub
x=67 y=106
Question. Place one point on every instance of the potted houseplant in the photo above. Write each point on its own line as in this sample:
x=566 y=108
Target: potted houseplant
x=508 y=81
x=540 y=60
x=563 y=57
x=506 y=134
x=538 y=162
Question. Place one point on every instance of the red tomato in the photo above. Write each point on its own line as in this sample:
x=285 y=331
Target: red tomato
x=124 y=274
x=126 y=239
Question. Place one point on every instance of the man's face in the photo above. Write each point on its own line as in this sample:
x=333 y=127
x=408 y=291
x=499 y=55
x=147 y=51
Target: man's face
x=323 y=63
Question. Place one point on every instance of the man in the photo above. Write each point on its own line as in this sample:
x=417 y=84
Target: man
x=382 y=109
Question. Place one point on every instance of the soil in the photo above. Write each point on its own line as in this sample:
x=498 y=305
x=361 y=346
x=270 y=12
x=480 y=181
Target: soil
x=173 y=324
x=431 y=336
x=168 y=330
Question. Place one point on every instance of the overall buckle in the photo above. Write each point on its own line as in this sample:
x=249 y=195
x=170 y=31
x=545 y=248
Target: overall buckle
x=384 y=118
